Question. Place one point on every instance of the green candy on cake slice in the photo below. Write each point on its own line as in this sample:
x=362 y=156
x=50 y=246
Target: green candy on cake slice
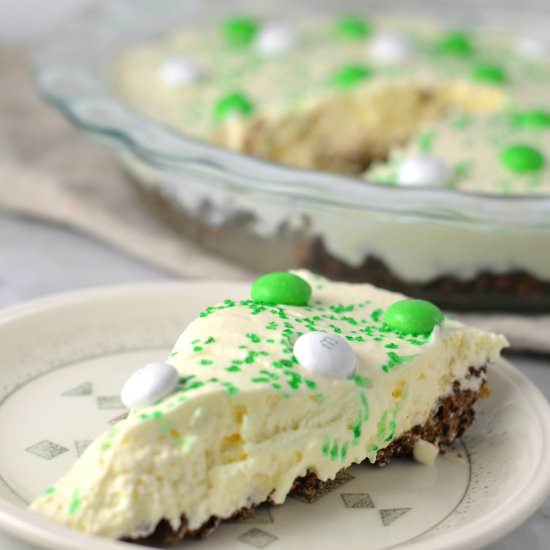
x=271 y=395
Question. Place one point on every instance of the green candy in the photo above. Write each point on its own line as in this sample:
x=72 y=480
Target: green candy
x=281 y=288
x=239 y=31
x=353 y=28
x=493 y=74
x=522 y=158
x=234 y=103
x=536 y=118
x=413 y=317
x=351 y=75
x=455 y=44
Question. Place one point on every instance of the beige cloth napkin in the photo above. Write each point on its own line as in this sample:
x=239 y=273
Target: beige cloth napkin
x=50 y=170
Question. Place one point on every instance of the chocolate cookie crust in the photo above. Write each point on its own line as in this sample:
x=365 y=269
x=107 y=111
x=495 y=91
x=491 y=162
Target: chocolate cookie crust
x=515 y=290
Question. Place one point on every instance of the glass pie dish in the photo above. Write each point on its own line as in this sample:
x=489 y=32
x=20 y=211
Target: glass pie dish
x=463 y=250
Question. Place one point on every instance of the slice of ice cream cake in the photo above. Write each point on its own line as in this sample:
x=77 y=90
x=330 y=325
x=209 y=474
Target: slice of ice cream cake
x=273 y=394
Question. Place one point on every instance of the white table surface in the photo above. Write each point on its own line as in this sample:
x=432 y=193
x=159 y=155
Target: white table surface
x=38 y=258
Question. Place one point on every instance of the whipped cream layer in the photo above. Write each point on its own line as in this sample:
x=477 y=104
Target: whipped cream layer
x=246 y=419
x=416 y=250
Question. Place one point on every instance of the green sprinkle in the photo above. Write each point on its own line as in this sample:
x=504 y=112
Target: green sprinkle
x=230 y=388
x=382 y=425
x=198 y=348
x=535 y=119
x=341 y=309
x=395 y=360
x=426 y=140
x=194 y=385
x=352 y=28
x=325 y=449
x=232 y=104
x=461 y=121
x=365 y=404
x=261 y=380
x=349 y=320
x=357 y=429
x=210 y=340
x=239 y=31
x=281 y=288
x=344 y=451
x=253 y=338
x=463 y=169
x=391 y=345
x=522 y=158
x=392 y=428
x=413 y=317
x=75 y=502
x=49 y=490
x=174 y=353
x=455 y=44
x=362 y=381
x=310 y=384
x=253 y=355
x=334 y=451
x=234 y=368
x=376 y=315
x=282 y=364
x=350 y=76
x=493 y=74
x=206 y=362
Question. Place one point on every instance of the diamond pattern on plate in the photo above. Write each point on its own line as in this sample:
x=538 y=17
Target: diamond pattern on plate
x=389 y=515
x=357 y=500
x=77 y=391
x=108 y=402
x=81 y=445
x=46 y=449
x=261 y=515
x=257 y=538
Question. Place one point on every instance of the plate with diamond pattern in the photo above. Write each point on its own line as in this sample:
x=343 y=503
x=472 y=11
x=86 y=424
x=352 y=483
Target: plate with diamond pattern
x=65 y=358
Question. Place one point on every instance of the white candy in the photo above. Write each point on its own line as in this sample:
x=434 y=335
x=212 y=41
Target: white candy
x=148 y=384
x=275 y=40
x=325 y=354
x=423 y=169
x=425 y=452
x=532 y=48
x=178 y=72
x=389 y=48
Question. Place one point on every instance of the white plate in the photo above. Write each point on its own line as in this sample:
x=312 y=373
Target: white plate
x=62 y=363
